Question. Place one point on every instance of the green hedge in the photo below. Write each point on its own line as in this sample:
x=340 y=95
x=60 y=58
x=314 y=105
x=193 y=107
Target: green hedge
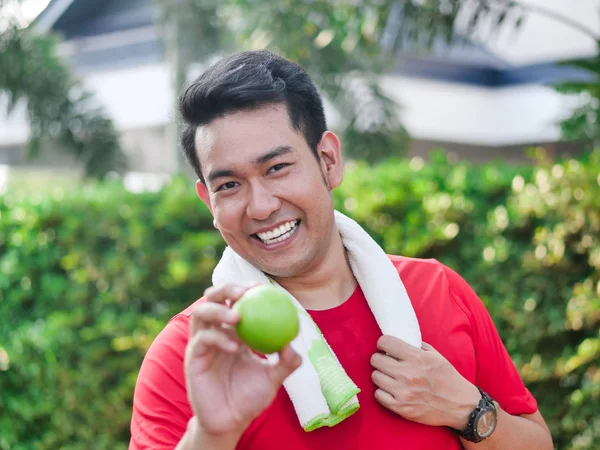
x=88 y=277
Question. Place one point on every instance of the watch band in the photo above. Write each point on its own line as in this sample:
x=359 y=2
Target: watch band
x=470 y=432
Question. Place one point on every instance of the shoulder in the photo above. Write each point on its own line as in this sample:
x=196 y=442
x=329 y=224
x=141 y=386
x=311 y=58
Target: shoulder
x=425 y=279
x=415 y=268
x=428 y=285
x=166 y=353
x=160 y=405
x=428 y=278
x=186 y=314
x=446 y=322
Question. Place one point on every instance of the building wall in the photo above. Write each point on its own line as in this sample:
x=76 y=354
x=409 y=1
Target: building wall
x=481 y=120
x=49 y=157
x=472 y=115
x=123 y=66
x=149 y=150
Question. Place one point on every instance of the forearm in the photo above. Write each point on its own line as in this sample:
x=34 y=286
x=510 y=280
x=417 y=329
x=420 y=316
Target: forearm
x=516 y=433
x=195 y=438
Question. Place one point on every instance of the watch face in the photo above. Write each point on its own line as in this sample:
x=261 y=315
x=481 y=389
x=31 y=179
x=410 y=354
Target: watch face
x=486 y=423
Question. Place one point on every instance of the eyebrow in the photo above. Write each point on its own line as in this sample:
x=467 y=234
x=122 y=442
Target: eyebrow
x=263 y=159
x=277 y=151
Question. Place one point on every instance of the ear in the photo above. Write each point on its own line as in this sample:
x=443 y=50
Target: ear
x=202 y=192
x=330 y=153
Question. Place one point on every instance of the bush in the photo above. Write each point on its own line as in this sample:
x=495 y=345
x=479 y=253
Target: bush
x=527 y=241
x=88 y=278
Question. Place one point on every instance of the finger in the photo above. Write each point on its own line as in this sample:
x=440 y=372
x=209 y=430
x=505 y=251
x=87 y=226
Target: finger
x=221 y=294
x=384 y=381
x=289 y=361
x=385 y=364
x=209 y=315
x=385 y=398
x=227 y=294
x=209 y=340
x=397 y=348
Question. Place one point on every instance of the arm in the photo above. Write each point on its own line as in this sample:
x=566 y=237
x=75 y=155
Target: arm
x=421 y=385
x=161 y=409
x=528 y=431
x=520 y=423
x=216 y=363
x=162 y=417
x=196 y=439
x=187 y=395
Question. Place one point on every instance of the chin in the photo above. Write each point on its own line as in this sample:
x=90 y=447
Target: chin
x=285 y=269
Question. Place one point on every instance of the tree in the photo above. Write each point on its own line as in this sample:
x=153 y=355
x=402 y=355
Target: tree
x=59 y=109
x=344 y=44
x=347 y=44
x=582 y=124
x=192 y=33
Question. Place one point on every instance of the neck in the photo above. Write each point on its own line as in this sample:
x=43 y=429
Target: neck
x=326 y=285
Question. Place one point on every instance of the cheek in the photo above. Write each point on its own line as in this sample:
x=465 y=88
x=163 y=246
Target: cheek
x=228 y=215
x=308 y=198
x=315 y=197
x=310 y=187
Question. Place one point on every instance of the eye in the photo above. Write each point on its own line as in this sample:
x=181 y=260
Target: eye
x=278 y=167
x=227 y=186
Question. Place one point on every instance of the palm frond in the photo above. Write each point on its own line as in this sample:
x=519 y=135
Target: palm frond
x=58 y=108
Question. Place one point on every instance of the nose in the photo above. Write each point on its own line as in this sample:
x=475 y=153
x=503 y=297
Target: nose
x=262 y=203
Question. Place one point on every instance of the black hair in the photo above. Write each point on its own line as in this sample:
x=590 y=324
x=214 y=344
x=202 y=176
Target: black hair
x=246 y=81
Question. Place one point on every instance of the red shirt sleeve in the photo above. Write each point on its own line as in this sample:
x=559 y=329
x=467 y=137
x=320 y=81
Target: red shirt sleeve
x=496 y=372
x=161 y=410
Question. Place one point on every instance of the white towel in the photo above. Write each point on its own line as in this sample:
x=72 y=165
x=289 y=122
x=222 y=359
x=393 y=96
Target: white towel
x=320 y=390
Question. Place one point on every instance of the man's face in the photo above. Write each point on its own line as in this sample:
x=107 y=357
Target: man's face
x=267 y=191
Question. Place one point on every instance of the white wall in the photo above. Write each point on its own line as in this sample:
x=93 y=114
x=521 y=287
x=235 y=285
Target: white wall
x=141 y=98
x=135 y=98
x=474 y=115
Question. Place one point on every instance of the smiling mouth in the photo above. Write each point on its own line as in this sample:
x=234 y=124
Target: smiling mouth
x=280 y=234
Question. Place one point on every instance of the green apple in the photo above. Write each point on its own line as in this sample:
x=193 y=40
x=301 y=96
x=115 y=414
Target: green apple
x=269 y=320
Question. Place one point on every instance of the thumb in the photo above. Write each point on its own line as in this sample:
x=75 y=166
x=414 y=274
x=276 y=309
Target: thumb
x=289 y=361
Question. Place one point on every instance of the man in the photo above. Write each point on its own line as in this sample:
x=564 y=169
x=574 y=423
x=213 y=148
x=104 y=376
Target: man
x=257 y=138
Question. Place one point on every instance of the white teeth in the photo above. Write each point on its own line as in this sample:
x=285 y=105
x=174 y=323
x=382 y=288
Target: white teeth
x=279 y=234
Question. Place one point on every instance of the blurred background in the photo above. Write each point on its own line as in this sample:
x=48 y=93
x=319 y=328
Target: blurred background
x=469 y=131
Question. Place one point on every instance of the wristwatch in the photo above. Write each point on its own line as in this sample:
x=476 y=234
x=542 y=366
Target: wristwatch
x=482 y=421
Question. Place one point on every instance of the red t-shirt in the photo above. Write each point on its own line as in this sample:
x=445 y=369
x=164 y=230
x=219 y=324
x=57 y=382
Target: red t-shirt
x=452 y=319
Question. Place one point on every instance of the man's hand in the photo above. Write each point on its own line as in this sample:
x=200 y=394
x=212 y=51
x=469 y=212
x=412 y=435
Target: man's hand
x=421 y=385
x=228 y=385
